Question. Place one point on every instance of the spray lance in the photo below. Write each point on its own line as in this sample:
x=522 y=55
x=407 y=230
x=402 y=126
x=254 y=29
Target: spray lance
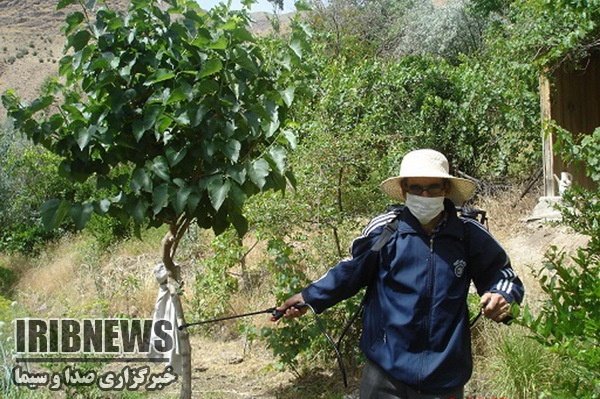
x=278 y=314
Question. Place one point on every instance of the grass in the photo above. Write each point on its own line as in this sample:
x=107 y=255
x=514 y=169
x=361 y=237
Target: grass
x=510 y=364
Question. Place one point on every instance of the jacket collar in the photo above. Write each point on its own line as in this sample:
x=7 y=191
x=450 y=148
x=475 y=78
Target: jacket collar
x=410 y=225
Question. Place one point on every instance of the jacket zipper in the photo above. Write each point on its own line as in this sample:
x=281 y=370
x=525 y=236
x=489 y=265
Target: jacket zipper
x=428 y=317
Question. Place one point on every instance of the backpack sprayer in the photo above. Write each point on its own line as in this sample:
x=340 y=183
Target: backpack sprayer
x=468 y=212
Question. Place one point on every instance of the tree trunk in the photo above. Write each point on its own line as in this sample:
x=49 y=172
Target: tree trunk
x=169 y=245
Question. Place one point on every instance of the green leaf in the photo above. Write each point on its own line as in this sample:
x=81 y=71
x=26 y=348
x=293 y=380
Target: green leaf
x=210 y=86
x=85 y=135
x=138 y=129
x=210 y=67
x=41 y=103
x=159 y=76
x=196 y=114
x=63 y=3
x=73 y=21
x=164 y=122
x=174 y=156
x=240 y=223
x=243 y=35
x=160 y=198
x=81 y=214
x=220 y=44
x=80 y=40
x=193 y=201
x=237 y=173
x=138 y=210
x=151 y=113
x=238 y=195
x=140 y=180
x=278 y=155
x=258 y=172
x=242 y=58
x=102 y=206
x=160 y=167
x=53 y=212
x=176 y=95
x=288 y=95
x=182 y=117
x=290 y=137
x=232 y=150
x=291 y=178
x=181 y=199
x=296 y=47
x=302 y=5
x=217 y=191
x=220 y=223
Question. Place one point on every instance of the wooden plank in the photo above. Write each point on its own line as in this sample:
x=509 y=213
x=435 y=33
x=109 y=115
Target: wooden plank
x=547 y=139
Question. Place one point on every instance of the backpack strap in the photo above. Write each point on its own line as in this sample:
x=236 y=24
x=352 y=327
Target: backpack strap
x=389 y=228
x=385 y=235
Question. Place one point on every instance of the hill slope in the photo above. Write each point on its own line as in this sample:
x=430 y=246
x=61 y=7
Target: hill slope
x=31 y=42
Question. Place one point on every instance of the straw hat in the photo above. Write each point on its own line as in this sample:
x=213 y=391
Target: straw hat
x=428 y=163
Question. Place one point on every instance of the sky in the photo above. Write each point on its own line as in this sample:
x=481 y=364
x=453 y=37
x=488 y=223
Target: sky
x=260 y=5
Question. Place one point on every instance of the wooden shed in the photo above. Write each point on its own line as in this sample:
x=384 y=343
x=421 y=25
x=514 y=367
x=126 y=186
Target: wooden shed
x=571 y=98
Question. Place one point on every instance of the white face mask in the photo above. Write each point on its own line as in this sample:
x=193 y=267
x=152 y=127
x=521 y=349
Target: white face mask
x=424 y=208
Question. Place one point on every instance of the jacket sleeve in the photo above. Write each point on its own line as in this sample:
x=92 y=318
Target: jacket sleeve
x=490 y=265
x=350 y=275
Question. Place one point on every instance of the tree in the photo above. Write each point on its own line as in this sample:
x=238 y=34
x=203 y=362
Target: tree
x=179 y=114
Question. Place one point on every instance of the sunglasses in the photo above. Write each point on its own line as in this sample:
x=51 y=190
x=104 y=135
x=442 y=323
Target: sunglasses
x=432 y=189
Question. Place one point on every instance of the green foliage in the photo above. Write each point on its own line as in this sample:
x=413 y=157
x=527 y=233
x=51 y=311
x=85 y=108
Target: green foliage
x=29 y=177
x=8 y=278
x=553 y=30
x=569 y=322
x=214 y=285
x=294 y=337
x=187 y=103
x=108 y=231
x=302 y=339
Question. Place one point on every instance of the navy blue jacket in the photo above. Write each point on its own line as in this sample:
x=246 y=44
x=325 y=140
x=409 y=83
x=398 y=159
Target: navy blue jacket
x=416 y=321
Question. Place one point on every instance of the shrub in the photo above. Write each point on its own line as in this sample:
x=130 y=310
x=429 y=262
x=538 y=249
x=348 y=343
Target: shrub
x=214 y=285
x=569 y=321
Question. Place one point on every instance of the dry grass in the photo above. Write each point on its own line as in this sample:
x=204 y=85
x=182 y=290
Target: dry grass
x=72 y=278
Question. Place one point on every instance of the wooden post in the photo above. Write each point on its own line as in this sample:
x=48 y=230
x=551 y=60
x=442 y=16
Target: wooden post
x=548 y=139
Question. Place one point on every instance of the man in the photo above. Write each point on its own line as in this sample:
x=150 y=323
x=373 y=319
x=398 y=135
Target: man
x=416 y=334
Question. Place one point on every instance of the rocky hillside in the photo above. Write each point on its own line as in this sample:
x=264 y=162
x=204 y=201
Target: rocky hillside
x=31 y=42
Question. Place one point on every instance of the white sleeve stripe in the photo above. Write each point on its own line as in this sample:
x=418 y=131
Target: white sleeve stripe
x=505 y=285
x=508 y=274
x=378 y=221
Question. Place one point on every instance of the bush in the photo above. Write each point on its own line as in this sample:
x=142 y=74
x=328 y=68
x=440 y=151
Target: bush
x=214 y=285
x=569 y=321
x=30 y=176
x=300 y=342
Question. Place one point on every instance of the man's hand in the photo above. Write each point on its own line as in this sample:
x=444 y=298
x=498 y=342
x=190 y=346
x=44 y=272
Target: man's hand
x=495 y=306
x=290 y=310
